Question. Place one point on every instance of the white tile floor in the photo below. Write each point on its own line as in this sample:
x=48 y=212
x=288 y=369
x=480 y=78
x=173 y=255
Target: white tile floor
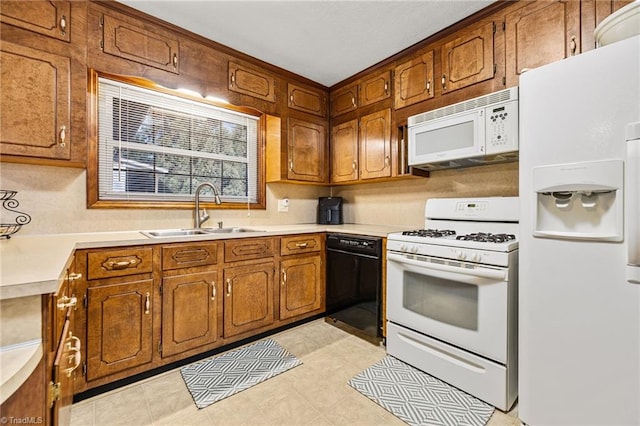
x=315 y=393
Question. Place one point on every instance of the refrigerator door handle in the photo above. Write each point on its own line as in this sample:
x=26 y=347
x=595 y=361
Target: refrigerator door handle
x=633 y=203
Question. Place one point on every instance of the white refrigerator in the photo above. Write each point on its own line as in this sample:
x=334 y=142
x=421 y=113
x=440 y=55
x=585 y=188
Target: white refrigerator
x=579 y=282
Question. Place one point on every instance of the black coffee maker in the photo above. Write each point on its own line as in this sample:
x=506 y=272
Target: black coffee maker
x=330 y=211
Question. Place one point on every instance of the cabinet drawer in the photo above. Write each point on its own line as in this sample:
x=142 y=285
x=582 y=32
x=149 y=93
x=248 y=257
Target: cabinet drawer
x=300 y=244
x=185 y=256
x=246 y=249
x=119 y=262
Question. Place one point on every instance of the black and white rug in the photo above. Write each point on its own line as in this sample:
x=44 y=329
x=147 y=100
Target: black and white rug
x=418 y=398
x=219 y=377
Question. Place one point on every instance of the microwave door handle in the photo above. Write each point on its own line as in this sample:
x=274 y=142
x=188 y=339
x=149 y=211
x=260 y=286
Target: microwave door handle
x=468 y=276
x=633 y=206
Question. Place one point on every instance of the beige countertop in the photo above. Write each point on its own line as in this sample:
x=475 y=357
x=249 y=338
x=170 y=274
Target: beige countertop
x=36 y=264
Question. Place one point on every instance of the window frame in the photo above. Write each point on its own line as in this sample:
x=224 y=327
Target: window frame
x=93 y=200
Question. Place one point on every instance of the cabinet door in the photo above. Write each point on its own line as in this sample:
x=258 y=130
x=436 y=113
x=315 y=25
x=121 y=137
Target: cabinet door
x=468 y=58
x=306 y=156
x=308 y=100
x=344 y=100
x=49 y=18
x=189 y=311
x=344 y=152
x=134 y=41
x=375 y=145
x=248 y=298
x=375 y=88
x=251 y=82
x=414 y=80
x=35 y=103
x=119 y=327
x=301 y=289
x=540 y=33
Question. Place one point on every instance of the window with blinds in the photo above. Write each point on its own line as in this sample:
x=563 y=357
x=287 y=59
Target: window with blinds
x=154 y=146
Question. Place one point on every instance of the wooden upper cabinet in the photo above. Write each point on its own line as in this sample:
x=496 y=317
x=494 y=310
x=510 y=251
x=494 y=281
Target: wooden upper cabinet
x=375 y=145
x=344 y=100
x=140 y=42
x=306 y=151
x=49 y=18
x=306 y=99
x=468 y=58
x=35 y=103
x=414 y=80
x=344 y=152
x=375 y=88
x=539 y=33
x=248 y=81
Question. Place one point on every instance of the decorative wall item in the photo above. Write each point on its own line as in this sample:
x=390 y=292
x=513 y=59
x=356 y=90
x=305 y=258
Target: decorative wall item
x=11 y=220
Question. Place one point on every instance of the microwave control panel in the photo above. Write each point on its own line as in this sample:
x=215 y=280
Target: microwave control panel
x=501 y=125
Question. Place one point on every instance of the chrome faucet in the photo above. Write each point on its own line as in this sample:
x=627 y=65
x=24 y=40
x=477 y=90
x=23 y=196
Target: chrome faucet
x=198 y=219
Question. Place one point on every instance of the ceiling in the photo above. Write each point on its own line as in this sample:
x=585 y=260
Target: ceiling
x=325 y=41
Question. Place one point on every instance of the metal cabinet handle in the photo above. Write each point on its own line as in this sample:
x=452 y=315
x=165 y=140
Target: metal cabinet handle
x=175 y=60
x=63 y=135
x=291 y=100
x=228 y=286
x=147 y=304
x=123 y=264
x=284 y=277
x=302 y=245
x=573 y=45
x=74 y=276
x=354 y=165
x=387 y=160
x=63 y=25
x=386 y=87
x=353 y=102
x=429 y=86
x=233 y=79
x=444 y=82
x=67 y=302
x=76 y=355
x=290 y=165
x=213 y=290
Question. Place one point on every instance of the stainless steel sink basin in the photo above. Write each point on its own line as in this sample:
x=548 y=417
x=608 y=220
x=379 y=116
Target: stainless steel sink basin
x=165 y=233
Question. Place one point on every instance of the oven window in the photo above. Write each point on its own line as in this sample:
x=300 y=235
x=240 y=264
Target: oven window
x=447 y=301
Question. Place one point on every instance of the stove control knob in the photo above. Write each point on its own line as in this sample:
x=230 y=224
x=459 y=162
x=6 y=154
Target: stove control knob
x=459 y=254
x=414 y=249
x=403 y=247
x=476 y=257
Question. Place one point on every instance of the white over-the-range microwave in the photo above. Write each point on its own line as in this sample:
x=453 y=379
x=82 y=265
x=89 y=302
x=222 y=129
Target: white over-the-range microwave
x=479 y=131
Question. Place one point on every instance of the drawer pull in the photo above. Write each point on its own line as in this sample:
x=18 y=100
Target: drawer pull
x=123 y=264
x=302 y=245
x=228 y=286
x=147 y=304
x=67 y=302
x=213 y=290
x=74 y=276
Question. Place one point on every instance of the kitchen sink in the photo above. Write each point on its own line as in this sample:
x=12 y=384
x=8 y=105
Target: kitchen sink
x=165 y=233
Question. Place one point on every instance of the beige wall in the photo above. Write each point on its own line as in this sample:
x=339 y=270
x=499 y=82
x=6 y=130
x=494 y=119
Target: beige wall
x=55 y=197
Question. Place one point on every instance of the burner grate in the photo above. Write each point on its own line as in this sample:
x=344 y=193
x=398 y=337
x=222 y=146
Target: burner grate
x=431 y=233
x=485 y=237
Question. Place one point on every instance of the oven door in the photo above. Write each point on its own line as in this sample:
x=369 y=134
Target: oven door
x=463 y=304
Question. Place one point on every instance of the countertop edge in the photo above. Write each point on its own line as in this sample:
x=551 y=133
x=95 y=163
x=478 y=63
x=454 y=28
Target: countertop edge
x=17 y=365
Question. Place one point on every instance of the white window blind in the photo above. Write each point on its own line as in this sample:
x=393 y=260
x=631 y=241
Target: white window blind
x=153 y=146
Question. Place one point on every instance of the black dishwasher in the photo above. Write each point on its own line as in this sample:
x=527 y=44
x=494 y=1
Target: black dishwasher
x=354 y=282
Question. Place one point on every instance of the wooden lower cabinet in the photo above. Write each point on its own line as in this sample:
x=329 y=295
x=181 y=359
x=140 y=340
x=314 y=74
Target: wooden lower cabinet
x=190 y=306
x=248 y=298
x=119 y=327
x=301 y=286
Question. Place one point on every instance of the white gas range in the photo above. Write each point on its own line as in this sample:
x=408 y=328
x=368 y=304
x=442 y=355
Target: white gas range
x=452 y=295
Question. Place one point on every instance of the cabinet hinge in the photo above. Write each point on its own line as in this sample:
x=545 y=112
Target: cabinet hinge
x=504 y=81
x=160 y=289
x=84 y=369
x=102 y=20
x=54 y=393
x=85 y=301
x=494 y=27
x=504 y=26
x=160 y=348
x=495 y=68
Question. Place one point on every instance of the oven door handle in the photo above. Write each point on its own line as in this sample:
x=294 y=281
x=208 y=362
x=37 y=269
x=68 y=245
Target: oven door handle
x=420 y=266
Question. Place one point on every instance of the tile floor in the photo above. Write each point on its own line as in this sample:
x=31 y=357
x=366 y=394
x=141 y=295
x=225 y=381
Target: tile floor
x=315 y=393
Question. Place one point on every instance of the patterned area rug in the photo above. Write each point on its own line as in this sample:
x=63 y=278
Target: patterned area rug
x=418 y=398
x=219 y=377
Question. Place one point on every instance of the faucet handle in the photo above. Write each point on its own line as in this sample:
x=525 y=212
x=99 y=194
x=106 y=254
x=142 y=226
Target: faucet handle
x=204 y=216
